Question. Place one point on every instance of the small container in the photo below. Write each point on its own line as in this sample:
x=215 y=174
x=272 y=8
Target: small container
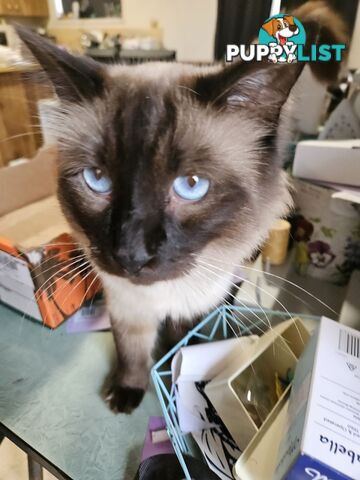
x=75 y=8
x=276 y=246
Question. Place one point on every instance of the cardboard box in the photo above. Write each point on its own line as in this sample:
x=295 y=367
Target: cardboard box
x=322 y=429
x=49 y=283
x=28 y=181
x=259 y=460
x=39 y=281
x=276 y=352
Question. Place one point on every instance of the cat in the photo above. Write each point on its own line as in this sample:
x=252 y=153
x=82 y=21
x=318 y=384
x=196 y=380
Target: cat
x=161 y=167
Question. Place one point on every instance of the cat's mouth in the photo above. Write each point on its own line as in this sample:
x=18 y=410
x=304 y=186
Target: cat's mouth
x=153 y=271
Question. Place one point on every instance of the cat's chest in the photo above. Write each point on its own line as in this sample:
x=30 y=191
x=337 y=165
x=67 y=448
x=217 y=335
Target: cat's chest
x=182 y=298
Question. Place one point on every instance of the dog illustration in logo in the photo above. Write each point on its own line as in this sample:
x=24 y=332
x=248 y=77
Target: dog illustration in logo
x=282 y=29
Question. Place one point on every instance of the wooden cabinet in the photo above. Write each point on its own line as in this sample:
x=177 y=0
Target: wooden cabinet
x=10 y=7
x=24 y=8
x=35 y=8
x=19 y=134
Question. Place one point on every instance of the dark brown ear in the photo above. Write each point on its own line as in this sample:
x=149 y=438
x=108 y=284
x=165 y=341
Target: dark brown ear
x=261 y=88
x=74 y=78
x=290 y=19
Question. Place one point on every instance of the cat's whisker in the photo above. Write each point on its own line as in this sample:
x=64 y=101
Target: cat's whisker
x=13 y=137
x=238 y=300
x=57 y=244
x=197 y=273
x=289 y=282
x=46 y=260
x=63 y=264
x=281 y=287
x=262 y=290
x=93 y=298
x=239 y=322
x=189 y=89
x=270 y=329
x=78 y=270
x=290 y=293
x=82 y=279
x=23 y=255
x=88 y=290
x=37 y=293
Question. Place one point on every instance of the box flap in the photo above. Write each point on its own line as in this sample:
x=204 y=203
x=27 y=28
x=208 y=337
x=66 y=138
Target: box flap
x=17 y=185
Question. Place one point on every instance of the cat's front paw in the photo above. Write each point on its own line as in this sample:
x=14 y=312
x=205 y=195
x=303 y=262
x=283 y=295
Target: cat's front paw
x=123 y=399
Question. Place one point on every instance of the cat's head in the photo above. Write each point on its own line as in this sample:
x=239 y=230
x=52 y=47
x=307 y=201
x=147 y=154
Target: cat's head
x=161 y=162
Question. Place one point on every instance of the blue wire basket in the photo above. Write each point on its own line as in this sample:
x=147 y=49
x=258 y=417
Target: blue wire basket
x=224 y=322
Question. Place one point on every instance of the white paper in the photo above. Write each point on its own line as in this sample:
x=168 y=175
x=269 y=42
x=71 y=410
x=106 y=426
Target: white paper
x=194 y=364
x=192 y=368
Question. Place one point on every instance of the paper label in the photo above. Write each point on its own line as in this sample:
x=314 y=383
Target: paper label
x=15 y=268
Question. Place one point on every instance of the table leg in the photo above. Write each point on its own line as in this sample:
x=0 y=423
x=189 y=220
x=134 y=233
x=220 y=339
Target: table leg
x=35 y=469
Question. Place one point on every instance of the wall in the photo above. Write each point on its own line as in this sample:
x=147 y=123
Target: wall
x=354 y=55
x=187 y=26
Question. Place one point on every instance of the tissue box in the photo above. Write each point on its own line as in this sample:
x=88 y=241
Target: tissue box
x=322 y=428
x=336 y=161
x=276 y=352
x=44 y=282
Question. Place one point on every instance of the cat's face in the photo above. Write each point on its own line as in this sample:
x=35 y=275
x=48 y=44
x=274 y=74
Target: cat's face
x=160 y=161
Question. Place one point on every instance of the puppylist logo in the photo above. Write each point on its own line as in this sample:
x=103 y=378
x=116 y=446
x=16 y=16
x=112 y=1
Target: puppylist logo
x=282 y=39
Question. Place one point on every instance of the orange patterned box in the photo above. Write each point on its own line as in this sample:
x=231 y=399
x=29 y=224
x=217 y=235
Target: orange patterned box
x=49 y=283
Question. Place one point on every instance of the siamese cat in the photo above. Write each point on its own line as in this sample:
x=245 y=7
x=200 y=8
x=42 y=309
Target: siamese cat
x=163 y=166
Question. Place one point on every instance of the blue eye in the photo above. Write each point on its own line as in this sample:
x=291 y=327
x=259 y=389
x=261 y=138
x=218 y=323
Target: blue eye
x=96 y=180
x=191 y=187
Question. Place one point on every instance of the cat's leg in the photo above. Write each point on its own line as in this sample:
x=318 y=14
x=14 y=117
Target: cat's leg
x=129 y=381
x=170 y=333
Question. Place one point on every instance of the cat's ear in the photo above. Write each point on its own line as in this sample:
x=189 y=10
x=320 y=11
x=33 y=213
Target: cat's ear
x=74 y=78
x=261 y=88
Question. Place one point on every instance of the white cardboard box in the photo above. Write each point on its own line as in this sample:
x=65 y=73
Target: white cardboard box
x=17 y=287
x=276 y=351
x=322 y=432
x=336 y=161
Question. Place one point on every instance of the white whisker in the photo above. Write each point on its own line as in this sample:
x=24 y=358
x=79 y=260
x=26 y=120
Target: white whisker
x=259 y=288
x=78 y=269
x=72 y=259
x=289 y=282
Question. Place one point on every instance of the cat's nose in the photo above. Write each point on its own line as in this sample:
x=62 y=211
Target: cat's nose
x=139 y=244
x=133 y=263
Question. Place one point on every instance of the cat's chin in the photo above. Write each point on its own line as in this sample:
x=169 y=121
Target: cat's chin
x=148 y=275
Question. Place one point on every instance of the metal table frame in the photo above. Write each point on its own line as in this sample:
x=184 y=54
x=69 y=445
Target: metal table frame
x=36 y=461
